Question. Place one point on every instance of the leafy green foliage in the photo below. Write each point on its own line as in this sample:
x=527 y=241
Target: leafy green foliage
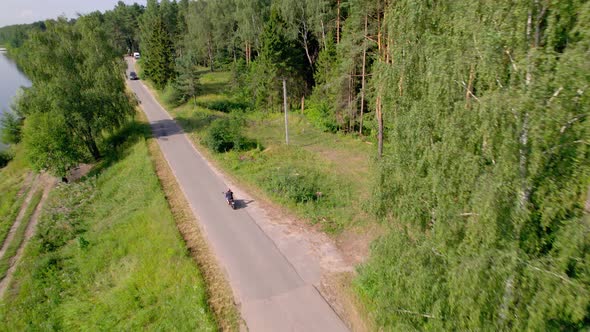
x=485 y=175
x=187 y=77
x=5 y=157
x=10 y=128
x=220 y=136
x=49 y=145
x=319 y=114
x=123 y=24
x=171 y=95
x=225 y=135
x=76 y=88
x=14 y=36
x=158 y=54
x=224 y=105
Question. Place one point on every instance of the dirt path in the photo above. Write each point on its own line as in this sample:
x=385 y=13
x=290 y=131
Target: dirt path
x=20 y=216
x=47 y=183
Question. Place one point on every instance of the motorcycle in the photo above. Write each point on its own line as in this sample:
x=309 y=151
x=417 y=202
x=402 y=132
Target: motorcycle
x=230 y=201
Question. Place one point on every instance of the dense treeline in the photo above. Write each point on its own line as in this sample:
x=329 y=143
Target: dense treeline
x=15 y=35
x=480 y=113
x=479 y=109
x=487 y=171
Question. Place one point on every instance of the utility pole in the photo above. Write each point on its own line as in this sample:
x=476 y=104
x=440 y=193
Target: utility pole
x=285 y=107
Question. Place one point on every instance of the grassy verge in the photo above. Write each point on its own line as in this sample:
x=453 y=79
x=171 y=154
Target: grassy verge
x=331 y=171
x=107 y=256
x=19 y=236
x=12 y=192
x=220 y=297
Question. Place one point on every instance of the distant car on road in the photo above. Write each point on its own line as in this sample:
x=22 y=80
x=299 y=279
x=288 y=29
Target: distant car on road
x=136 y=55
x=133 y=76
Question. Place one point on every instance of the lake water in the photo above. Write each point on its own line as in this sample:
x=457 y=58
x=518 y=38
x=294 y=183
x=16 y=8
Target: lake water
x=11 y=79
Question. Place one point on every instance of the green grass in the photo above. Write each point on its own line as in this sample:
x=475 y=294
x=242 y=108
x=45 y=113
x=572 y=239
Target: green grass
x=107 y=256
x=19 y=235
x=336 y=165
x=11 y=183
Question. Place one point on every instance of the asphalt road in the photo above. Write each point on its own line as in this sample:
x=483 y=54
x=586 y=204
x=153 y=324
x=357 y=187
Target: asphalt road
x=271 y=293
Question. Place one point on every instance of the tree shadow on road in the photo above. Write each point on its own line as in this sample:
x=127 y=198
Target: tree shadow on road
x=196 y=122
x=165 y=128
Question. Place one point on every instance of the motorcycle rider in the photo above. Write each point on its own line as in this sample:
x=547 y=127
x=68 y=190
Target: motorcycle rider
x=229 y=196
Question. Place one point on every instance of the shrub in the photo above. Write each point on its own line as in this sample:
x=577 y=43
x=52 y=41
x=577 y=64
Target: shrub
x=294 y=185
x=220 y=138
x=225 y=135
x=172 y=96
x=49 y=145
x=10 y=128
x=320 y=115
x=5 y=157
x=224 y=105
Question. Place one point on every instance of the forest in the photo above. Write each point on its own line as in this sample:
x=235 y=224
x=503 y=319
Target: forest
x=15 y=35
x=479 y=111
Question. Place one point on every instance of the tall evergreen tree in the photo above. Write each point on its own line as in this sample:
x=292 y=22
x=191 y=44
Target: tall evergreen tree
x=157 y=48
x=169 y=12
x=147 y=22
x=161 y=56
x=187 y=77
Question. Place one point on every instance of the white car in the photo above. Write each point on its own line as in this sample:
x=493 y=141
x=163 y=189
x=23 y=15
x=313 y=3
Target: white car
x=136 y=55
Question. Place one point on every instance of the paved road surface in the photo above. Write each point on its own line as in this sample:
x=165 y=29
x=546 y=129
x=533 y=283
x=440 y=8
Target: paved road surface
x=272 y=295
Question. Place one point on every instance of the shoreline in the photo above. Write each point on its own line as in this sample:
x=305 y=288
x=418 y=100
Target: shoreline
x=15 y=79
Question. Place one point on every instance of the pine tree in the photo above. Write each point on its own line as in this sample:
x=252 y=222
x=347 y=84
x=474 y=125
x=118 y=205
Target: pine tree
x=161 y=55
x=187 y=77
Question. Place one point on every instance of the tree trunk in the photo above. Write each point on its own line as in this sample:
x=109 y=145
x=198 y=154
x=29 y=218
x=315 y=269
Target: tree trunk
x=247 y=54
x=539 y=20
x=323 y=34
x=306 y=47
x=363 y=79
x=338 y=23
x=286 y=112
x=524 y=130
x=91 y=145
x=210 y=53
x=302 y=104
x=350 y=107
x=469 y=91
x=379 y=28
x=379 y=112
x=385 y=36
